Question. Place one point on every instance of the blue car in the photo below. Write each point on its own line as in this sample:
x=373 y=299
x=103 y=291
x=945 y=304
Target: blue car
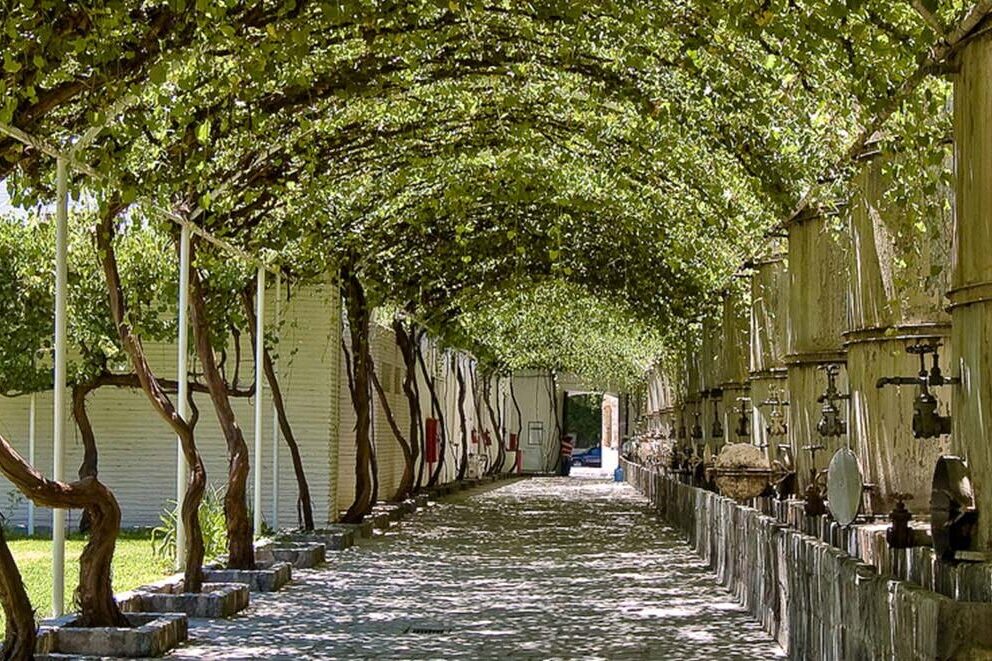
x=589 y=457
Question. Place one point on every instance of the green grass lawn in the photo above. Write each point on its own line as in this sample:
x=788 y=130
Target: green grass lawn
x=134 y=565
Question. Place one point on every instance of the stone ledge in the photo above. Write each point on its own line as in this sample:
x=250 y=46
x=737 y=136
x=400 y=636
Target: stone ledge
x=269 y=578
x=301 y=555
x=918 y=565
x=336 y=537
x=150 y=635
x=216 y=600
x=818 y=601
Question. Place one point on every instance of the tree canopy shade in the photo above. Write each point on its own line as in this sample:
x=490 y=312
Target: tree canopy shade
x=559 y=184
x=457 y=152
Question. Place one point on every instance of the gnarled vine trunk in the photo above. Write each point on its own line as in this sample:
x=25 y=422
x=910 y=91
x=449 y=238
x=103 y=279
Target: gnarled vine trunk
x=405 y=344
x=405 y=486
x=304 y=503
x=359 y=318
x=497 y=466
x=240 y=543
x=94 y=593
x=436 y=410
x=189 y=509
x=555 y=446
x=20 y=632
x=89 y=465
x=462 y=423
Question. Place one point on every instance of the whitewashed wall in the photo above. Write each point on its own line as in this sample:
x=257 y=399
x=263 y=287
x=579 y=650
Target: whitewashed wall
x=531 y=388
x=138 y=451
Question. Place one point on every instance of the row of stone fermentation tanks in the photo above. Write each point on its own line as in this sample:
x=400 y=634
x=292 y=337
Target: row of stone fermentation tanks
x=864 y=329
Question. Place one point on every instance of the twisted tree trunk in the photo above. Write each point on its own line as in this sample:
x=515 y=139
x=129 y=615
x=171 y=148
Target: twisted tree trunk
x=437 y=411
x=193 y=574
x=240 y=544
x=20 y=632
x=405 y=486
x=304 y=504
x=463 y=425
x=94 y=593
x=357 y=361
x=497 y=466
x=480 y=430
x=404 y=342
x=520 y=415
x=556 y=445
x=89 y=465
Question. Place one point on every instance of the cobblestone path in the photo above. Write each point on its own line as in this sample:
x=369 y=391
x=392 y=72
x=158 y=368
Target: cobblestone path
x=540 y=568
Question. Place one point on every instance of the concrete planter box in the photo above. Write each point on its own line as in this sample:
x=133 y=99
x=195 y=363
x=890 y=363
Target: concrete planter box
x=361 y=530
x=334 y=538
x=301 y=554
x=216 y=600
x=150 y=635
x=263 y=579
x=389 y=513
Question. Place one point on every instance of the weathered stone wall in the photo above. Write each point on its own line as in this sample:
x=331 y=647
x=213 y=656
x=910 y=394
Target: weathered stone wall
x=817 y=600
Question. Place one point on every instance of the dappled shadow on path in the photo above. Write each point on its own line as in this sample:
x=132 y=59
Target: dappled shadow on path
x=542 y=568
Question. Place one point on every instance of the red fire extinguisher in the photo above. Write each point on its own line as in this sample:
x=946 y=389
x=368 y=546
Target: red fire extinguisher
x=430 y=447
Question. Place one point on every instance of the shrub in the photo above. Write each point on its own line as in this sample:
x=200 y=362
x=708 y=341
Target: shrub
x=211 y=522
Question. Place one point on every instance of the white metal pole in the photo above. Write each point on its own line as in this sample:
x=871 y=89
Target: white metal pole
x=275 y=419
x=32 y=431
x=58 y=429
x=182 y=394
x=259 y=389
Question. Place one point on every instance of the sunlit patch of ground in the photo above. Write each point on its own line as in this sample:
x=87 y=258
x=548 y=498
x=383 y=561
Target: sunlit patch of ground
x=542 y=568
x=134 y=564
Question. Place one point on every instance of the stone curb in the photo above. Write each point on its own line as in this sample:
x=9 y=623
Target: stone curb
x=818 y=601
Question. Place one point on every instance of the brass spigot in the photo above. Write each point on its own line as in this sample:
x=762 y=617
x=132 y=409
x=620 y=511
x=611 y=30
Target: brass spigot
x=717 y=429
x=927 y=423
x=777 y=425
x=815 y=504
x=697 y=429
x=743 y=429
x=899 y=535
x=831 y=424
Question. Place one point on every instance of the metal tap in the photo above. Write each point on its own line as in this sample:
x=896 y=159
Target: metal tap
x=697 y=429
x=717 y=429
x=815 y=504
x=785 y=486
x=927 y=423
x=831 y=424
x=777 y=425
x=899 y=535
x=743 y=429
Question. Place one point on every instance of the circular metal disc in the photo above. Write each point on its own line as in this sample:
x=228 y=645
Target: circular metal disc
x=844 y=486
x=952 y=506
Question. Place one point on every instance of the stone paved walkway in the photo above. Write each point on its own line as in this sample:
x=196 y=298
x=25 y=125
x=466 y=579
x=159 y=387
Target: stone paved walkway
x=540 y=568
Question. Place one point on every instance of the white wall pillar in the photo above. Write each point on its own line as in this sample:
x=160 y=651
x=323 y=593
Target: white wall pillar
x=32 y=433
x=259 y=389
x=275 y=420
x=58 y=430
x=182 y=394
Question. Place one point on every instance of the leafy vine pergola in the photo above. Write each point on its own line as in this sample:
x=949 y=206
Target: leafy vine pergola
x=557 y=184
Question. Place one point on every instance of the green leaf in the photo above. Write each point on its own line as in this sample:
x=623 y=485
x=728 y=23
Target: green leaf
x=203 y=131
